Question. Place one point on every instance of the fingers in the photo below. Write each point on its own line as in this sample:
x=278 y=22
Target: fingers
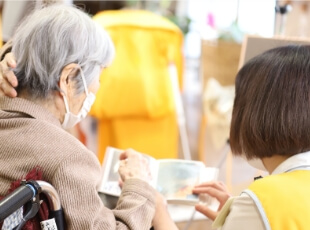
x=206 y=211
x=221 y=196
x=123 y=156
x=11 y=60
x=7 y=78
x=132 y=155
x=134 y=165
x=214 y=189
x=214 y=184
x=129 y=152
x=11 y=78
x=7 y=89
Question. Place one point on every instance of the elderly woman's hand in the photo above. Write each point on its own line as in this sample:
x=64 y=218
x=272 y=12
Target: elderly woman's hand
x=7 y=78
x=214 y=189
x=134 y=165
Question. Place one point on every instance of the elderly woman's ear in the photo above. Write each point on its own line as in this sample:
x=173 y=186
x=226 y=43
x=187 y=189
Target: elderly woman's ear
x=65 y=81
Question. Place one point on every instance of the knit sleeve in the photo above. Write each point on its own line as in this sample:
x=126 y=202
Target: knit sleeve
x=76 y=181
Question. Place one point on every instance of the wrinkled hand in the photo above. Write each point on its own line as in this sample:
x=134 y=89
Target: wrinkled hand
x=214 y=189
x=7 y=78
x=133 y=165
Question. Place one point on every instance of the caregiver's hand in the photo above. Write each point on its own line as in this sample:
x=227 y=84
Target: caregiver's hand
x=214 y=189
x=7 y=78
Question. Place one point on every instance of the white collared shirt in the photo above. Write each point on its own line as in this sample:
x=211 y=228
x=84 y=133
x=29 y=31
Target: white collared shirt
x=244 y=214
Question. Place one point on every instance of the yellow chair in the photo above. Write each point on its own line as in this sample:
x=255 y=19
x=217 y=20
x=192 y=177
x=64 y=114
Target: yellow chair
x=135 y=105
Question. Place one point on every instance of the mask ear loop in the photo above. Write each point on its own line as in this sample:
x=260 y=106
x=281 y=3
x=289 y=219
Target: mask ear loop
x=65 y=99
x=84 y=81
x=64 y=96
x=66 y=104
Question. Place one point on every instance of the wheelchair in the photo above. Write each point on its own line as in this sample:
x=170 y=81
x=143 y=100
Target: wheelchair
x=27 y=196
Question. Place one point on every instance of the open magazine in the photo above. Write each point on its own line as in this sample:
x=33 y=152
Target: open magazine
x=173 y=178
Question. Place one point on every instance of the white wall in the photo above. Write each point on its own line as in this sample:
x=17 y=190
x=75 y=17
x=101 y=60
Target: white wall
x=254 y=17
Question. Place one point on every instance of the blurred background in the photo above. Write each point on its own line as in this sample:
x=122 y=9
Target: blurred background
x=169 y=92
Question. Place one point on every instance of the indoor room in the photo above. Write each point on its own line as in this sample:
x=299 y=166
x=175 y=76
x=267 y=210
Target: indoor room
x=154 y=114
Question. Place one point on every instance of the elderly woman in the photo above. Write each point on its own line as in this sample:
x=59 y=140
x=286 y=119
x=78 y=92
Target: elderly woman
x=60 y=53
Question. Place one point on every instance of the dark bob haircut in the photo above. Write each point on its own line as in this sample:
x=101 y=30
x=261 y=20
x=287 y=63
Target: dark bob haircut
x=271 y=114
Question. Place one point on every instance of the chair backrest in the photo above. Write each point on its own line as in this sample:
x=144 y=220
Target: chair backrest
x=255 y=45
x=137 y=83
x=219 y=60
x=135 y=104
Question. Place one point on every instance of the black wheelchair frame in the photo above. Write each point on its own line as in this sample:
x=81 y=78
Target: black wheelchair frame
x=27 y=196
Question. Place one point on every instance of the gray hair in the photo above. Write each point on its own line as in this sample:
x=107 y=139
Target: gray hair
x=53 y=37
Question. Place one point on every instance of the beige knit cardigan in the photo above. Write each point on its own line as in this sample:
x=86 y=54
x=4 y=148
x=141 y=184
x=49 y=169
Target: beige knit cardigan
x=31 y=136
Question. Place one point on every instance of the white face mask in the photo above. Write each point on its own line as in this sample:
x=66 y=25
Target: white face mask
x=71 y=119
